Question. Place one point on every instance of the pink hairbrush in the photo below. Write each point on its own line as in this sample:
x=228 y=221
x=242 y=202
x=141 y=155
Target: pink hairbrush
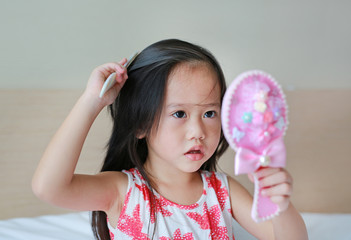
x=254 y=120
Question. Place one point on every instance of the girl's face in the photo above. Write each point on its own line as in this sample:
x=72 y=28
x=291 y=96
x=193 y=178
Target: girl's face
x=189 y=129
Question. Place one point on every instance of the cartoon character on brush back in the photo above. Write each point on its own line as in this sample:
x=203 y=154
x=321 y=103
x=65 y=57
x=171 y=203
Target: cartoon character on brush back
x=254 y=121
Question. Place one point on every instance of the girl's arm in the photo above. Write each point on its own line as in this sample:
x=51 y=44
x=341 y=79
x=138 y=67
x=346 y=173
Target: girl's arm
x=54 y=180
x=278 y=183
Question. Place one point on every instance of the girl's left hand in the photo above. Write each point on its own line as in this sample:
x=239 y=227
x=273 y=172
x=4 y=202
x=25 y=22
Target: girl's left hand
x=277 y=184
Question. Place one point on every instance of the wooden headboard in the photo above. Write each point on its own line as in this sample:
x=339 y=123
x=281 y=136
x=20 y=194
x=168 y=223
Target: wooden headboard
x=318 y=143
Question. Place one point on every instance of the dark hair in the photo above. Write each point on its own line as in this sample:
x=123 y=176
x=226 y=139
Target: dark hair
x=138 y=107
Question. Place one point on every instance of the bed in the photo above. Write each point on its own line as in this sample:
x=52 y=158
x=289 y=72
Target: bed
x=76 y=226
x=318 y=147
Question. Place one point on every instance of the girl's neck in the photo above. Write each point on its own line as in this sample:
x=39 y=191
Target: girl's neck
x=178 y=187
x=170 y=177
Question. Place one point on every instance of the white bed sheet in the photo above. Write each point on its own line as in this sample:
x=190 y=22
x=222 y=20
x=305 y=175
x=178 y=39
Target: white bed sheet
x=72 y=226
x=76 y=226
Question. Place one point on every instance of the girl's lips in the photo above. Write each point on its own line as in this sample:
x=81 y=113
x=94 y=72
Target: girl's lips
x=195 y=153
x=194 y=156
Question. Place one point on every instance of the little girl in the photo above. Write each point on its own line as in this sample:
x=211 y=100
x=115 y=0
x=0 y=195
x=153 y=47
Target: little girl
x=158 y=180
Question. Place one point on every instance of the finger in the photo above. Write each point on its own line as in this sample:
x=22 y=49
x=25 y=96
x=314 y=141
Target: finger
x=284 y=189
x=282 y=201
x=123 y=61
x=111 y=67
x=267 y=171
x=279 y=199
x=125 y=76
x=121 y=78
x=121 y=68
x=105 y=69
x=121 y=73
x=276 y=178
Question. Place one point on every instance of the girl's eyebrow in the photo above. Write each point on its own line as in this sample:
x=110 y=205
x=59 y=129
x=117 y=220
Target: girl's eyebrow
x=180 y=105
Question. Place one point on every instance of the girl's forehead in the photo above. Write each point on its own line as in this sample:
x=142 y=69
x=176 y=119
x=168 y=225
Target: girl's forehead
x=193 y=83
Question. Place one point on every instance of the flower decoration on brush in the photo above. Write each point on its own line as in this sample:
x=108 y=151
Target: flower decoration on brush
x=254 y=120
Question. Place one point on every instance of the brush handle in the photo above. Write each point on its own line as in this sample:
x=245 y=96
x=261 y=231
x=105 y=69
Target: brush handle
x=111 y=80
x=263 y=208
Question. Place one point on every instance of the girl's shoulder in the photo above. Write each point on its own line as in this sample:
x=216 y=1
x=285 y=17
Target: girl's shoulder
x=133 y=172
x=134 y=175
x=116 y=179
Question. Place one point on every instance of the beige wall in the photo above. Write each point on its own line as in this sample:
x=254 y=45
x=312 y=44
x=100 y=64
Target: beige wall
x=55 y=44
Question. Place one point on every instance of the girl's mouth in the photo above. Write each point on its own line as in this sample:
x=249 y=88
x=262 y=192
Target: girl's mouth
x=195 y=153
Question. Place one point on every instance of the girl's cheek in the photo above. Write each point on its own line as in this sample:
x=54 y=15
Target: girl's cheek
x=175 y=122
x=215 y=125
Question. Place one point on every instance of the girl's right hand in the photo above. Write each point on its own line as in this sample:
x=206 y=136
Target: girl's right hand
x=54 y=180
x=99 y=76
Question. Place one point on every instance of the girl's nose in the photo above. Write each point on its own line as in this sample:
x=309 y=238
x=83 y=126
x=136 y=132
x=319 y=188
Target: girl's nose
x=196 y=130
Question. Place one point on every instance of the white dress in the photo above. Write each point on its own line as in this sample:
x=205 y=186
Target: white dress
x=209 y=218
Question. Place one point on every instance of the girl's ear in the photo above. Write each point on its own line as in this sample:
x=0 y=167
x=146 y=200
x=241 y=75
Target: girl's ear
x=140 y=134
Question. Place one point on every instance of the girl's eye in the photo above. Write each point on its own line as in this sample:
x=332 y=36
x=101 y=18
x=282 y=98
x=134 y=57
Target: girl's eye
x=179 y=114
x=210 y=114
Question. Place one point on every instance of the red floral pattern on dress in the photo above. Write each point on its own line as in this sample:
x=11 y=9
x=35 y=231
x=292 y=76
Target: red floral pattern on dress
x=202 y=220
x=112 y=236
x=160 y=202
x=177 y=235
x=159 y=206
x=122 y=215
x=132 y=225
x=221 y=192
x=210 y=219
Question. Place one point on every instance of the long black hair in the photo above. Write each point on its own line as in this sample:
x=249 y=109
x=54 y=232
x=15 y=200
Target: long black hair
x=138 y=107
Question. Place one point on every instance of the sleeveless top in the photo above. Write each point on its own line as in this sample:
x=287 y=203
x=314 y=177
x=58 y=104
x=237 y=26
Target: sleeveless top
x=209 y=218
